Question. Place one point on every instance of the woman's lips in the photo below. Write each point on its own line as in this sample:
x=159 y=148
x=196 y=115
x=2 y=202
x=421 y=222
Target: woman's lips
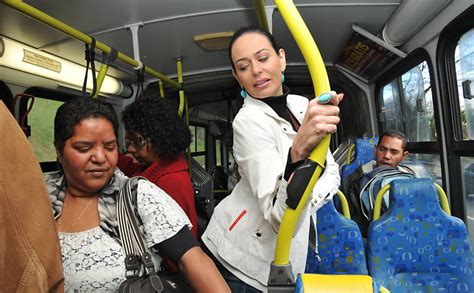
x=261 y=83
x=98 y=173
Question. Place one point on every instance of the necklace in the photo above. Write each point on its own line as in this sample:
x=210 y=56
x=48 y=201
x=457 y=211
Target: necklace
x=80 y=215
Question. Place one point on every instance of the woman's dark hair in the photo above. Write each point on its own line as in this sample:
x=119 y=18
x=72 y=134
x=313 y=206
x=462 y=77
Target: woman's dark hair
x=251 y=29
x=157 y=120
x=74 y=111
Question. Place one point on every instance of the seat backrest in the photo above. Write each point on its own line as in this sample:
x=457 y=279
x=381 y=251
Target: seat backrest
x=364 y=152
x=372 y=182
x=340 y=245
x=416 y=246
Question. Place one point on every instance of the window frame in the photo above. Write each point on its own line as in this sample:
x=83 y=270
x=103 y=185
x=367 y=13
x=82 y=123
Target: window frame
x=455 y=148
x=200 y=153
x=415 y=58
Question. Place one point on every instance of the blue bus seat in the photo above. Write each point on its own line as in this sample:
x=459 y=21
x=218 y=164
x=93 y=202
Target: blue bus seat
x=340 y=245
x=417 y=247
x=364 y=153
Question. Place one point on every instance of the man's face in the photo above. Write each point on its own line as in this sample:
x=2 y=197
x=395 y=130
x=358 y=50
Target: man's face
x=389 y=152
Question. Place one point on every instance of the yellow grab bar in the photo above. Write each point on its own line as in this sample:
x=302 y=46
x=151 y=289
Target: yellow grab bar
x=349 y=154
x=317 y=69
x=55 y=23
x=100 y=78
x=179 y=65
x=261 y=14
x=443 y=199
x=344 y=204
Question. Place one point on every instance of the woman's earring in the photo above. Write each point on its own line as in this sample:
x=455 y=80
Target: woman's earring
x=282 y=77
x=243 y=93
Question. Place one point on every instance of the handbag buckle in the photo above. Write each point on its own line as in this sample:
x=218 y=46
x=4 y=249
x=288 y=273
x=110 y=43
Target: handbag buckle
x=148 y=263
x=132 y=265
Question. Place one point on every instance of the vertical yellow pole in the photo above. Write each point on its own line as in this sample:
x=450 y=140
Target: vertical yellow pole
x=162 y=90
x=183 y=104
x=179 y=65
x=261 y=14
x=317 y=69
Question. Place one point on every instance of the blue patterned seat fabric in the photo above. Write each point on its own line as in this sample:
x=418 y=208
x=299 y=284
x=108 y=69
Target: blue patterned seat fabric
x=416 y=247
x=340 y=246
x=364 y=152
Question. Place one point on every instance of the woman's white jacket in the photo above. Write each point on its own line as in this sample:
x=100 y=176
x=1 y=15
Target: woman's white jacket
x=243 y=229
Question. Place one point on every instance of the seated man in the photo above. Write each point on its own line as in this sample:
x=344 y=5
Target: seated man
x=389 y=152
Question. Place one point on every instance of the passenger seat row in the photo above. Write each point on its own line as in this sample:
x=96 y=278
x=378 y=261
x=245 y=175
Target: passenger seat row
x=414 y=246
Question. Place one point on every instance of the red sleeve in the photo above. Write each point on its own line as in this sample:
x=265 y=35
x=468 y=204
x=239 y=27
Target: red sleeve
x=128 y=166
x=178 y=186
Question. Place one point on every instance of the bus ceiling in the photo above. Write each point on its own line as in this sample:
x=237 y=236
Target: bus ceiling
x=392 y=22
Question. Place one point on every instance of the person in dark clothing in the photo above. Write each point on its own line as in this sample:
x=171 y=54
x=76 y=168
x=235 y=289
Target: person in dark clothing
x=219 y=178
x=389 y=152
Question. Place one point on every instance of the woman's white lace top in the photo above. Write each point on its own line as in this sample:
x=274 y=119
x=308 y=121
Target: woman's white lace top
x=93 y=261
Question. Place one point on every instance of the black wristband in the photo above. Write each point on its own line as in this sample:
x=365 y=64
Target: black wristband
x=176 y=246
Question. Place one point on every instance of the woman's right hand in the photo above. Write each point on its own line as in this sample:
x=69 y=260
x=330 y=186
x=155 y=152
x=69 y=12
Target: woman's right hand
x=318 y=121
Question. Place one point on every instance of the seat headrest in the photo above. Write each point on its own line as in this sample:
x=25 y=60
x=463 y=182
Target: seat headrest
x=417 y=191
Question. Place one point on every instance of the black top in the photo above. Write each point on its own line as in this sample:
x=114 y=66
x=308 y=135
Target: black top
x=278 y=104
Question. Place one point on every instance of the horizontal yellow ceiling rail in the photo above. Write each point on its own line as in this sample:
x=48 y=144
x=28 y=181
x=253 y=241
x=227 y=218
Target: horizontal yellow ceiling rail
x=55 y=23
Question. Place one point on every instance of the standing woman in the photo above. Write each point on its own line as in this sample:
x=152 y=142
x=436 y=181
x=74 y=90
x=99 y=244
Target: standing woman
x=84 y=201
x=274 y=132
x=157 y=138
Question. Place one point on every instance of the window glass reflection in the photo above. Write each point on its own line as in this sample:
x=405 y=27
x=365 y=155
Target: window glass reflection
x=467 y=167
x=464 y=60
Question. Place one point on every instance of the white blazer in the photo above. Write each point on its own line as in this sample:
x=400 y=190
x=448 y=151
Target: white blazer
x=243 y=229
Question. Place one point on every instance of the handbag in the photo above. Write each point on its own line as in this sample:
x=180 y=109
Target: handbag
x=141 y=275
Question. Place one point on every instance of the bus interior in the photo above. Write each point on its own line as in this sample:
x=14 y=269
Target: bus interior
x=402 y=64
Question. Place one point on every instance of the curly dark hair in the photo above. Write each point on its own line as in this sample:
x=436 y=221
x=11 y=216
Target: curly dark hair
x=74 y=111
x=157 y=120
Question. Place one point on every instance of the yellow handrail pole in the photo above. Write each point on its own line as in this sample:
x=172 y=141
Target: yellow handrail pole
x=349 y=154
x=100 y=78
x=261 y=14
x=53 y=22
x=320 y=80
x=183 y=103
x=344 y=204
x=179 y=65
x=378 y=201
x=443 y=199
x=162 y=89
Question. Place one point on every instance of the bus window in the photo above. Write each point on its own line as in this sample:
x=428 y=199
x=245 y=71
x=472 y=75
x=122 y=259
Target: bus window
x=467 y=165
x=464 y=64
x=41 y=120
x=390 y=107
x=425 y=166
x=464 y=61
x=406 y=104
x=198 y=144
